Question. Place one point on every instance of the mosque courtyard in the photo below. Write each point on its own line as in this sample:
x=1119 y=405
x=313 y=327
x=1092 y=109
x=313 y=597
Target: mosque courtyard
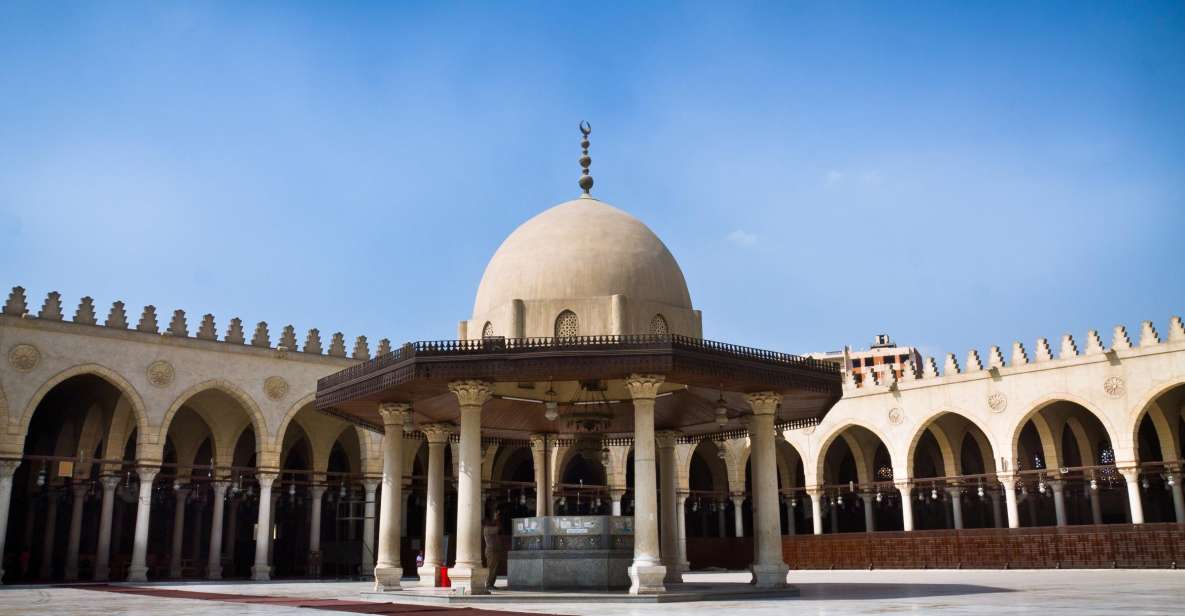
x=822 y=592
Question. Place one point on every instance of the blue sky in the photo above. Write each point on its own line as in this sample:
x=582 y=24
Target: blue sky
x=955 y=174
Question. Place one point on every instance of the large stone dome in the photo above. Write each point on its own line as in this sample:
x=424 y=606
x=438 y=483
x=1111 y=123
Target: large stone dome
x=583 y=248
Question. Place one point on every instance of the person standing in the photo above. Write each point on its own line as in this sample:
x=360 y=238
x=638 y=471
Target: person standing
x=490 y=532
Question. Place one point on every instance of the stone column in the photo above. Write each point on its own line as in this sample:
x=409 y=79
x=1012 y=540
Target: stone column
x=405 y=506
x=647 y=572
x=78 y=491
x=106 y=514
x=1173 y=475
x=47 y=542
x=369 y=486
x=721 y=521
x=7 y=470
x=1008 y=480
x=769 y=570
x=316 y=494
x=615 y=495
x=138 y=570
x=681 y=510
x=469 y=576
x=232 y=529
x=906 y=491
x=1059 y=501
x=261 y=571
x=1096 y=508
x=272 y=526
x=389 y=567
x=956 y=506
x=816 y=497
x=1132 y=475
x=180 y=493
x=437 y=435
x=996 y=517
x=214 y=558
x=539 y=462
x=669 y=529
x=738 y=513
x=869 y=513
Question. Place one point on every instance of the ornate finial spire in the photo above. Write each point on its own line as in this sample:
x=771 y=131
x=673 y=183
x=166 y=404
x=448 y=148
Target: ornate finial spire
x=586 y=181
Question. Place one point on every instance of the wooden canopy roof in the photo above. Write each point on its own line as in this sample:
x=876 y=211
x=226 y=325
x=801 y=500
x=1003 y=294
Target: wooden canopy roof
x=698 y=372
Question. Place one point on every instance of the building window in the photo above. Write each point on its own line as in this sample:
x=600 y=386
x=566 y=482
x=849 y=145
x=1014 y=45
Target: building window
x=487 y=330
x=566 y=325
x=658 y=325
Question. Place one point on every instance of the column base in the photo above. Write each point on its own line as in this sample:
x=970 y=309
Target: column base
x=214 y=572
x=769 y=576
x=387 y=578
x=71 y=575
x=647 y=579
x=427 y=575
x=175 y=573
x=261 y=573
x=137 y=574
x=469 y=580
x=673 y=575
x=102 y=573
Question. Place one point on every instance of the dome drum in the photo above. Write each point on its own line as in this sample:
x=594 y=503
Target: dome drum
x=608 y=315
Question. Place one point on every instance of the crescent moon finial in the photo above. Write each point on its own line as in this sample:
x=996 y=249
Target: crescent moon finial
x=586 y=181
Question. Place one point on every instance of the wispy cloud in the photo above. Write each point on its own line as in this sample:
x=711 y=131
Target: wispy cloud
x=741 y=238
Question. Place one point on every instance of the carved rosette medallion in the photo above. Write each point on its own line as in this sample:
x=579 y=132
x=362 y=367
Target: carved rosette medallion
x=275 y=387
x=896 y=416
x=997 y=401
x=160 y=373
x=24 y=357
x=1115 y=387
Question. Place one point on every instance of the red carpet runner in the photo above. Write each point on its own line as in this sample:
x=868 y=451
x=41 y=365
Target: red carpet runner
x=337 y=605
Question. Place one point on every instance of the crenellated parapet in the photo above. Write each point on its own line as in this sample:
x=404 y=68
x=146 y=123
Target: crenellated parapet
x=1019 y=359
x=17 y=305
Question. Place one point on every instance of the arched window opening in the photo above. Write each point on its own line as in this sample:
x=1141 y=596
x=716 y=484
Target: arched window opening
x=487 y=330
x=658 y=325
x=567 y=325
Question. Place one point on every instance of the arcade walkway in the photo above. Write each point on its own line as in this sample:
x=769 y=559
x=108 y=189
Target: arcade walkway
x=823 y=592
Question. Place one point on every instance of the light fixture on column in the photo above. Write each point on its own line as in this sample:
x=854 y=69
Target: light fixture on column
x=980 y=491
x=41 y=477
x=291 y=489
x=879 y=496
x=921 y=496
x=1041 y=486
x=1168 y=480
x=1144 y=483
x=839 y=499
x=933 y=493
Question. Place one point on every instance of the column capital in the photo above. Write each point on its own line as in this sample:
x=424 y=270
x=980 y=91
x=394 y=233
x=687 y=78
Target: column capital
x=764 y=402
x=666 y=438
x=266 y=479
x=317 y=491
x=370 y=485
x=394 y=414
x=1007 y=478
x=736 y=496
x=954 y=492
x=903 y=485
x=617 y=493
x=181 y=491
x=437 y=433
x=147 y=473
x=471 y=392
x=109 y=482
x=8 y=468
x=538 y=442
x=1130 y=473
x=644 y=386
x=220 y=486
x=813 y=491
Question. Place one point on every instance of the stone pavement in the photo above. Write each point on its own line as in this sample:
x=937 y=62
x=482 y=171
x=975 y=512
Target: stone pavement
x=1047 y=592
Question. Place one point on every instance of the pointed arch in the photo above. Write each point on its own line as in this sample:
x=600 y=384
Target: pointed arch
x=981 y=429
x=296 y=407
x=112 y=377
x=817 y=478
x=1041 y=404
x=255 y=415
x=1147 y=405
